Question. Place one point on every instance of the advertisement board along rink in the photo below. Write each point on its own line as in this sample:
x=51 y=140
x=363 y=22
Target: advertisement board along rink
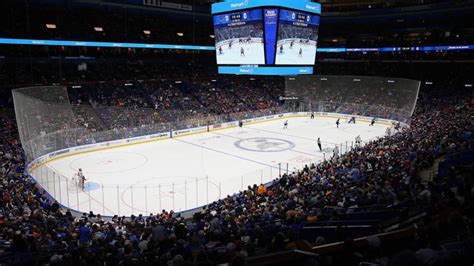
x=192 y=170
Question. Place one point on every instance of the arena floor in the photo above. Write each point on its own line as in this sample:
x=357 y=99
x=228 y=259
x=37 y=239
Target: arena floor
x=189 y=171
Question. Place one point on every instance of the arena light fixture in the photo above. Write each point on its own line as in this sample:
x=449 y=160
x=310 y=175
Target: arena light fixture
x=147 y=32
x=390 y=81
x=180 y=34
x=468 y=85
x=50 y=26
x=324 y=79
x=356 y=80
x=428 y=83
x=178 y=82
x=99 y=29
x=212 y=36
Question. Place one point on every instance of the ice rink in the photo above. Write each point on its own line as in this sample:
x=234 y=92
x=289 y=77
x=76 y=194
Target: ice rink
x=254 y=53
x=190 y=171
x=290 y=56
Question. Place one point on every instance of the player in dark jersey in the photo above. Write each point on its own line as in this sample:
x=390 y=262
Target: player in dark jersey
x=220 y=49
x=230 y=45
x=312 y=115
x=300 y=54
x=372 y=122
x=291 y=44
x=338 y=121
x=319 y=145
x=397 y=126
x=242 y=51
x=352 y=120
x=281 y=49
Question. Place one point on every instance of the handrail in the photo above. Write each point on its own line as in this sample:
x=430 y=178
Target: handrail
x=362 y=241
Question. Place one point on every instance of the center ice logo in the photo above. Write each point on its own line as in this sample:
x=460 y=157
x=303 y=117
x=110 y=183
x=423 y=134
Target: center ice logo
x=264 y=144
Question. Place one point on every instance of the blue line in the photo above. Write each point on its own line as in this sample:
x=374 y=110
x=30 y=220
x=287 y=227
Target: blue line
x=226 y=153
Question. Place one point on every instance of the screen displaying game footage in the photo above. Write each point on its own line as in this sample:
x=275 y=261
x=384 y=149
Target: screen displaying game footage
x=297 y=38
x=239 y=38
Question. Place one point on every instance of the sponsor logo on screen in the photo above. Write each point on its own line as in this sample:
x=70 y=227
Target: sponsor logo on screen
x=241 y=4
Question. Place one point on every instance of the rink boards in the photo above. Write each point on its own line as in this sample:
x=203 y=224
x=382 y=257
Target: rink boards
x=186 y=132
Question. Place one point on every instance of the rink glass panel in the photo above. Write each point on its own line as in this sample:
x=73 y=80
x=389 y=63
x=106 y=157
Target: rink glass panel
x=388 y=98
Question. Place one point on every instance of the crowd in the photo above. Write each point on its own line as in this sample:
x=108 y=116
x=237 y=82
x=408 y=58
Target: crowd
x=100 y=112
x=383 y=172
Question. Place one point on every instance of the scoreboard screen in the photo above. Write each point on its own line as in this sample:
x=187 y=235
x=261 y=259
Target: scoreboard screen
x=239 y=38
x=266 y=37
x=297 y=38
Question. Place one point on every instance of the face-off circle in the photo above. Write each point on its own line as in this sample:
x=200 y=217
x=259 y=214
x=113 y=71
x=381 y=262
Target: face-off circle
x=264 y=144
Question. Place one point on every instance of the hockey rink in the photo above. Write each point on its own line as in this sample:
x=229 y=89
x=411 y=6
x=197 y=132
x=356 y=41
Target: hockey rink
x=190 y=171
x=254 y=53
x=290 y=56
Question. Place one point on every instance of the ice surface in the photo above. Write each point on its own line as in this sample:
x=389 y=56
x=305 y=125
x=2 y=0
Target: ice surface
x=290 y=56
x=254 y=54
x=190 y=171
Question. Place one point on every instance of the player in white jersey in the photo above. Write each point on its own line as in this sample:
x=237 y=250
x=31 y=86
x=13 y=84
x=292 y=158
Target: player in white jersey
x=285 y=125
x=81 y=179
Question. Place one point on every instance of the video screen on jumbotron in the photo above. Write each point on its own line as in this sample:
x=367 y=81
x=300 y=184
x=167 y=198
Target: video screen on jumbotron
x=239 y=38
x=297 y=38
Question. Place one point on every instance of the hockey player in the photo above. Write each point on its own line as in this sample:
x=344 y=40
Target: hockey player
x=338 y=121
x=372 y=122
x=312 y=115
x=300 y=54
x=291 y=44
x=242 y=52
x=220 y=49
x=281 y=49
x=230 y=45
x=285 y=125
x=319 y=145
x=82 y=179
x=352 y=120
